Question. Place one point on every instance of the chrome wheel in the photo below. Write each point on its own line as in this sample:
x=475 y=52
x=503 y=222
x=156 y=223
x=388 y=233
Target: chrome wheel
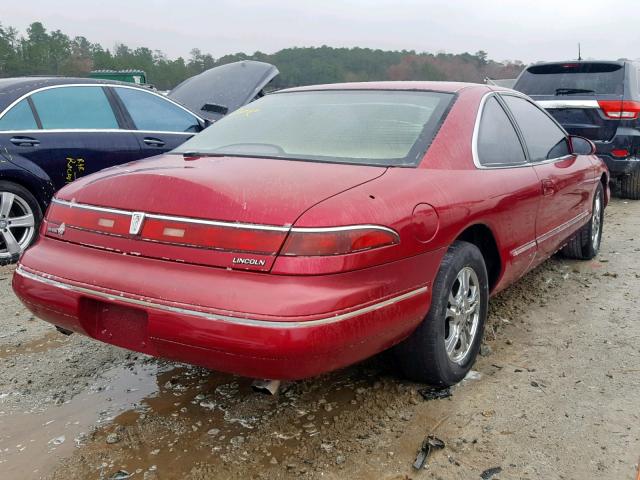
x=17 y=225
x=596 y=223
x=463 y=315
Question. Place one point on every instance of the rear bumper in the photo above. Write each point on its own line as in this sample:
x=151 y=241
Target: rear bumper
x=311 y=341
x=618 y=166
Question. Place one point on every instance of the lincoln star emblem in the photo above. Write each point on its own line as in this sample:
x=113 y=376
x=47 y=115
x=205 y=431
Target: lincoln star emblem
x=137 y=219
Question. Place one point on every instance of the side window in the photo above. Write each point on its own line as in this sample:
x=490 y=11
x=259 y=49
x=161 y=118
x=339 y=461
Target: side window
x=544 y=139
x=74 y=107
x=498 y=142
x=20 y=117
x=151 y=112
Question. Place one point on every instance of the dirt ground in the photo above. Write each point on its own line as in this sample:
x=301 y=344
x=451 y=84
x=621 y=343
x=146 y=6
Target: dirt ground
x=555 y=395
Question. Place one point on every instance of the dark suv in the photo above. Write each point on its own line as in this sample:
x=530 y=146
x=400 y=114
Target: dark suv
x=599 y=100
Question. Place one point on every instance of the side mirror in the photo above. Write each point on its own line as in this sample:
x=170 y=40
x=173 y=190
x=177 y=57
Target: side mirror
x=581 y=146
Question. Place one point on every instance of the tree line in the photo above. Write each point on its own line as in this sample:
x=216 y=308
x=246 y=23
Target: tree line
x=42 y=52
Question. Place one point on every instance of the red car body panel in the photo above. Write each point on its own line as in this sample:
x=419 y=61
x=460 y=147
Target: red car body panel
x=294 y=317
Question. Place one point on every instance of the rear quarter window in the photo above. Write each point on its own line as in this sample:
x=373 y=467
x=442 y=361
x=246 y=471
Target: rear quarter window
x=19 y=117
x=498 y=143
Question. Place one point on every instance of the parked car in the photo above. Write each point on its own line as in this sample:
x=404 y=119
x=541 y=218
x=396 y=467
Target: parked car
x=598 y=100
x=54 y=130
x=319 y=226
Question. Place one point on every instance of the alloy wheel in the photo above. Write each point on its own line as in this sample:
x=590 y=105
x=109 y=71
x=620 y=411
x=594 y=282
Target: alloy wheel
x=462 y=315
x=17 y=225
x=596 y=223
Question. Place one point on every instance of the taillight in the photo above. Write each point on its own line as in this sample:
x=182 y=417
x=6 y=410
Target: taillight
x=260 y=239
x=620 y=109
x=620 y=152
x=308 y=242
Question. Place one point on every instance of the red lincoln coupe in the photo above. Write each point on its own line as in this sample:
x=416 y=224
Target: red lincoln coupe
x=318 y=226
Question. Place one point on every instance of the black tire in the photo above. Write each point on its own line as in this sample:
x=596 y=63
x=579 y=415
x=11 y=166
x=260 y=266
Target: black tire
x=423 y=356
x=585 y=244
x=630 y=186
x=22 y=195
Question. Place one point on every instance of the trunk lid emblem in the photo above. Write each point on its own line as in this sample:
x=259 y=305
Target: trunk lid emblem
x=137 y=219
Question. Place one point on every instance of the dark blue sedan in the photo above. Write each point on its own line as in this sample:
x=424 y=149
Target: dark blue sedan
x=54 y=130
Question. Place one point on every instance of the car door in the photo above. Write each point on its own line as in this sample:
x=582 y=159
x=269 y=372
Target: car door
x=511 y=184
x=159 y=124
x=76 y=133
x=565 y=179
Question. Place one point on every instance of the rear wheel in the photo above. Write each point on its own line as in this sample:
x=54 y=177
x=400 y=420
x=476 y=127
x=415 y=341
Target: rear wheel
x=630 y=186
x=443 y=348
x=585 y=244
x=20 y=217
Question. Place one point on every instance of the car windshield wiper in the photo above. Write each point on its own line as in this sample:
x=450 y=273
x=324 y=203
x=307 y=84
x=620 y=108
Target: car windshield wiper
x=572 y=91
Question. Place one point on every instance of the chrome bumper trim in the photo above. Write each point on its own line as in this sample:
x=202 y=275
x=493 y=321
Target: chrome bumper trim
x=215 y=317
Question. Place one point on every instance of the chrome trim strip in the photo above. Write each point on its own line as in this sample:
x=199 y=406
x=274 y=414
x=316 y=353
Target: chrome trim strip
x=568 y=103
x=545 y=236
x=560 y=228
x=112 y=85
x=216 y=223
x=221 y=318
x=520 y=250
x=96 y=130
x=343 y=229
x=171 y=218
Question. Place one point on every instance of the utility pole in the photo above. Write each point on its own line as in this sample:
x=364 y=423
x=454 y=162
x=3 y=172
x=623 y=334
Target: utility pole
x=579 y=53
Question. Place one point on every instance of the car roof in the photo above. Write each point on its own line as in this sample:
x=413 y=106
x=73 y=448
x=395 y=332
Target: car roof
x=451 y=87
x=13 y=88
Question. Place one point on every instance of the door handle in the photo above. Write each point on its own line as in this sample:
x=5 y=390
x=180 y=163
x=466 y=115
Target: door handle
x=548 y=187
x=153 y=142
x=24 y=141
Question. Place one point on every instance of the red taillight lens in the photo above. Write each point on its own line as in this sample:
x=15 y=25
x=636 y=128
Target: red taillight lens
x=620 y=109
x=337 y=241
x=194 y=233
x=620 y=153
x=210 y=236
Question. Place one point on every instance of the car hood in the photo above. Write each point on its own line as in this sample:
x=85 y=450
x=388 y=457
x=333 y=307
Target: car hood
x=220 y=90
x=231 y=189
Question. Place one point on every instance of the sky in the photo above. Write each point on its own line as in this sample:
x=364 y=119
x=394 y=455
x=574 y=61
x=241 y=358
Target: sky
x=530 y=30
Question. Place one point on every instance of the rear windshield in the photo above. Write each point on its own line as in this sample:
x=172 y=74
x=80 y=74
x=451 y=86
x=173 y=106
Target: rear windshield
x=390 y=128
x=572 y=79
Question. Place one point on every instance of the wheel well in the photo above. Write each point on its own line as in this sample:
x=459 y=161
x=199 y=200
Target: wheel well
x=482 y=237
x=27 y=186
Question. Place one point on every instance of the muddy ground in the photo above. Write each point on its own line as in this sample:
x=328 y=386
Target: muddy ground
x=556 y=395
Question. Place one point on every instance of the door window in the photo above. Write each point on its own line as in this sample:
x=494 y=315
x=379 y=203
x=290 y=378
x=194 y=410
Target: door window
x=153 y=113
x=20 y=117
x=84 y=108
x=498 y=142
x=544 y=139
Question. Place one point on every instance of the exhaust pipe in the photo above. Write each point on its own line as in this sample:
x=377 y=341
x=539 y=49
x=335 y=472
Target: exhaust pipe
x=266 y=386
x=64 y=331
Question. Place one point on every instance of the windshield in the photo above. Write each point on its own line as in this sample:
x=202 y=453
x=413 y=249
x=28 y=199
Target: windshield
x=572 y=79
x=374 y=127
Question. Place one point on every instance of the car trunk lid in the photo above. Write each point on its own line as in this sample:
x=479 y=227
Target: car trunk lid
x=218 y=211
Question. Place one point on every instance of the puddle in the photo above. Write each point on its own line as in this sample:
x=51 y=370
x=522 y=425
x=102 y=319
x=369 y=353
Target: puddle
x=167 y=418
x=31 y=443
x=41 y=344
